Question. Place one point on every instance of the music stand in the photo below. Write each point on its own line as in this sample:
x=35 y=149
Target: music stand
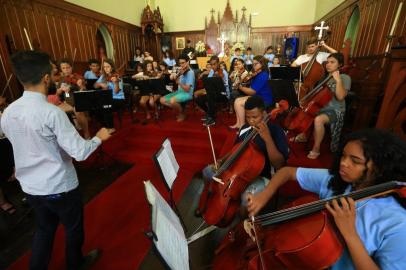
x=90 y=83
x=96 y=101
x=168 y=167
x=281 y=82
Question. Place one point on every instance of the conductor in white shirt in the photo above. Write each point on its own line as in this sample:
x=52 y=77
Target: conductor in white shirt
x=310 y=50
x=44 y=142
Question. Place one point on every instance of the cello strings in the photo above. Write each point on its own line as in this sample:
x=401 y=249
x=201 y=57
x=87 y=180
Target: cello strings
x=314 y=206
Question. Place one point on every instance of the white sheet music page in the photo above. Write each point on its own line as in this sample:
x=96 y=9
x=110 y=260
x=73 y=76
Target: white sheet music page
x=167 y=162
x=171 y=241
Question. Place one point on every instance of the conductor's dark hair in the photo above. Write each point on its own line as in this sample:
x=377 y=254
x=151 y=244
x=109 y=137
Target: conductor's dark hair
x=31 y=66
x=387 y=153
x=339 y=57
x=254 y=102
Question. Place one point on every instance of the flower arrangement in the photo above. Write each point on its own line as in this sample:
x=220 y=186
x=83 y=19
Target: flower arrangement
x=200 y=48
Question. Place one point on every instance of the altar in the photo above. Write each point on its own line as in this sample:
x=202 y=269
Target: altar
x=202 y=61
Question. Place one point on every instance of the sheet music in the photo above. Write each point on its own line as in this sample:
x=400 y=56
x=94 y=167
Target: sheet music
x=167 y=162
x=171 y=241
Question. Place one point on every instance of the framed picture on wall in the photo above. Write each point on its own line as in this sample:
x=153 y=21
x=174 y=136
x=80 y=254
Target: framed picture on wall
x=180 y=43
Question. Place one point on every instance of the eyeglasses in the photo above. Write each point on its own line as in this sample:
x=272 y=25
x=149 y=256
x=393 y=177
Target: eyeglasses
x=256 y=63
x=183 y=62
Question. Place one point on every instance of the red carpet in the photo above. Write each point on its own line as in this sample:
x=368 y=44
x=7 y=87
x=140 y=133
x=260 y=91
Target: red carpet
x=116 y=218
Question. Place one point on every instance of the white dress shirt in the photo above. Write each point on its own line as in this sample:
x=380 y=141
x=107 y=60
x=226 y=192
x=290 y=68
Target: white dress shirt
x=44 y=141
x=321 y=57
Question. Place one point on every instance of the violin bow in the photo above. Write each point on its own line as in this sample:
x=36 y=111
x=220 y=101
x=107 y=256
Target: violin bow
x=212 y=148
x=7 y=85
x=28 y=39
x=73 y=58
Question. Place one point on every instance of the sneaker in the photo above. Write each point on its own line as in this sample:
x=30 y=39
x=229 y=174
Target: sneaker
x=209 y=122
x=90 y=259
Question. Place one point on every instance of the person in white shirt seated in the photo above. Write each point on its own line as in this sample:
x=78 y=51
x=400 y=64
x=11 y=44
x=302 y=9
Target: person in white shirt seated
x=248 y=58
x=148 y=57
x=237 y=55
x=276 y=62
x=168 y=59
x=44 y=142
x=310 y=50
x=138 y=57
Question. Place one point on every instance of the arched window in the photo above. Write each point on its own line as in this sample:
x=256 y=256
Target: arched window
x=352 y=27
x=108 y=42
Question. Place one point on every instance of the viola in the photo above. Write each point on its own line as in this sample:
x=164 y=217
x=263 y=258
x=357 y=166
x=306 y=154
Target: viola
x=290 y=238
x=221 y=198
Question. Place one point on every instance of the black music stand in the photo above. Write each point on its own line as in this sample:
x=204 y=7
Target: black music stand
x=165 y=160
x=281 y=82
x=95 y=101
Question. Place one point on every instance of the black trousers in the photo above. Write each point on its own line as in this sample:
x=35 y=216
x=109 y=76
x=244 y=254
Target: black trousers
x=50 y=210
x=208 y=103
x=215 y=90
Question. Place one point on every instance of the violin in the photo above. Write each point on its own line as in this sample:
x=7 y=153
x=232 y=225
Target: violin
x=247 y=80
x=221 y=197
x=110 y=76
x=290 y=238
x=72 y=79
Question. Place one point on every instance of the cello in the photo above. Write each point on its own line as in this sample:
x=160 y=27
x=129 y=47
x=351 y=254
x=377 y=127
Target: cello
x=289 y=238
x=300 y=119
x=312 y=70
x=220 y=198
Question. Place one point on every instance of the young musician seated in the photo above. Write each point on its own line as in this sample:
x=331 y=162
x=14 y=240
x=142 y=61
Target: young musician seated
x=237 y=77
x=208 y=102
x=148 y=56
x=259 y=87
x=186 y=83
x=333 y=113
x=93 y=74
x=138 y=56
x=310 y=50
x=69 y=83
x=94 y=70
x=149 y=96
x=110 y=80
x=237 y=55
x=276 y=62
x=269 y=55
x=373 y=229
x=168 y=59
x=200 y=91
x=248 y=58
x=271 y=140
